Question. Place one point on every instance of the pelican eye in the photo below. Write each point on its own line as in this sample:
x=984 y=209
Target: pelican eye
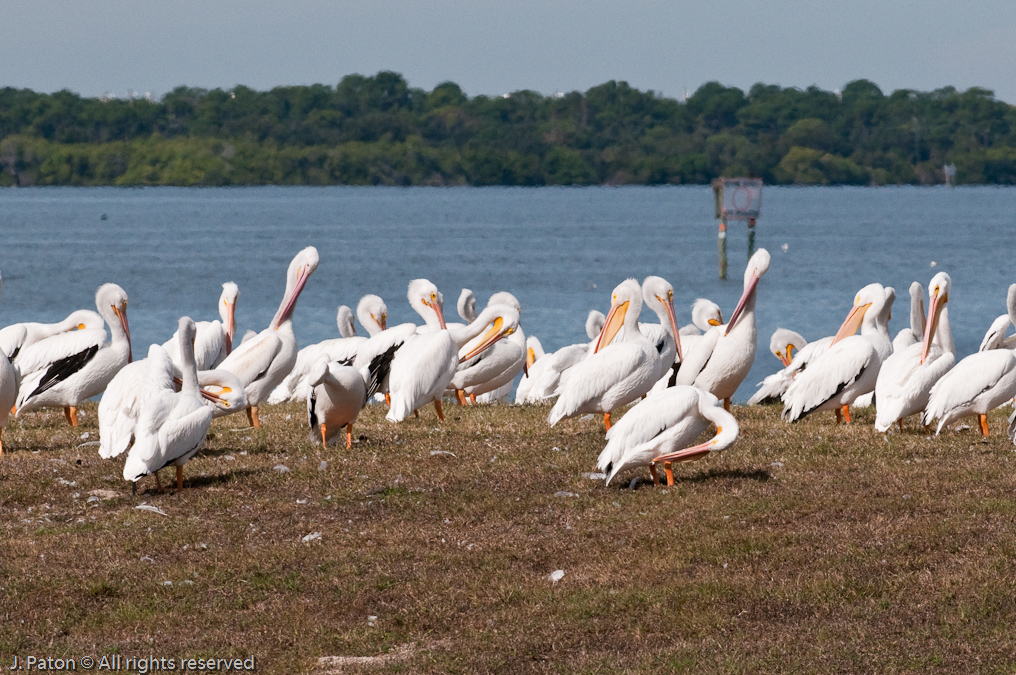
x=509 y=331
x=778 y=354
x=670 y=295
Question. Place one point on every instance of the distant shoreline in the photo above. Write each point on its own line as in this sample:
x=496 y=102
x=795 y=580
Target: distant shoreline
x=379 y=131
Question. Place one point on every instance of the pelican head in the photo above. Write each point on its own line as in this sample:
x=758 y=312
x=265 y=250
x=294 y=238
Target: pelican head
x=427 y=301
x=372 y=313
x=784 y=342
x=82 y=319
x=709 y=408
x=594 y=323
x=625 y=307
x=467 y=305
x=222 y=390
x=705 y=314
x=344 y=321
x=300 y=269
x=227 y=311
x=112 y=298
x=505 y=298
x=758 y=265
x=658 y=295
x=318 y=371
x=503 y=321
x=869 y=302
x=938 y=292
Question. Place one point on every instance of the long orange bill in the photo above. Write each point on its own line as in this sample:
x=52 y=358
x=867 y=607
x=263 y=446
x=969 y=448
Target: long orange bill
x=230 y=327
x=929 y=330
x=437 y=310
x=613 y=323
x=207 y=395
x=493 y=335
x=122 y=316
x=669 y=304
x=748 y=290
x=287 y=309
x=852 y=323
x=530 y=360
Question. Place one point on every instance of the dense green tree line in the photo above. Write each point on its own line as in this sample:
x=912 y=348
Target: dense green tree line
x=379 y=130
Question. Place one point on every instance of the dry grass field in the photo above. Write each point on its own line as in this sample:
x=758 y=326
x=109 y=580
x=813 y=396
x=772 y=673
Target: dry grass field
x=805 y=548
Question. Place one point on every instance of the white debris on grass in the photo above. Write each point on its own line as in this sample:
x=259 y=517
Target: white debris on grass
x=149 y=507
x=556 y=576
x=313 y=536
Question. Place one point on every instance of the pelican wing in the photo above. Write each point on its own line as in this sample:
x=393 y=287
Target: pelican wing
x=171 y=428
x=253 y=358
x=43 y=354
x=970 y=377
x=840 y=367
x=697 y=356
x=995 y=336
x=585 y=384
x=904 y=384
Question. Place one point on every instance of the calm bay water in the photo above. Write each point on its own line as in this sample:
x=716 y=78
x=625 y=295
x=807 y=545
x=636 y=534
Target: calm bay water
x=559 y=250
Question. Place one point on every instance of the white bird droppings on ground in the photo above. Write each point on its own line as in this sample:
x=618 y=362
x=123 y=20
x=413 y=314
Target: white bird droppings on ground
x=556 y=576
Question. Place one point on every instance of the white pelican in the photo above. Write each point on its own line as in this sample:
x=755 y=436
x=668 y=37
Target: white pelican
x=782 y=344
x=659 y=428
x=344 y=321
x=263 y=362
x=128 y=391
x=534 y=352
x=66 y=369
x=995 y=337
x=914 y=334
x=907 y=376
x=705 y=314
x=545 y=381
x=622 y=371
x=374 y=358
x=423 y=368
x=214 y=339
x=171 y=425
x=373 y=314
x=494 y=367
x=719 y=362
x=337 y=395
x=850 y=367
x=18 y=336
x=467 y=306
x=976 y=385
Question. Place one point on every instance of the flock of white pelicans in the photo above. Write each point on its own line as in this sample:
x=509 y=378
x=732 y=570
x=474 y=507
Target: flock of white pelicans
x=158 y=410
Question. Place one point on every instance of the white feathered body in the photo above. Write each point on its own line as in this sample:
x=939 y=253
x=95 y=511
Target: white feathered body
x=263 y=362
x=337 y=401
x=39 y=363
x=664 y=422
x=975 y=386
x=904 y=384
x=421 y=372
x=295 y=386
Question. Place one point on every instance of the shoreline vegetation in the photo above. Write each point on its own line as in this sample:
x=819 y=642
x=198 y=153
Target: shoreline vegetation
x=377 y=130
x=484 y=544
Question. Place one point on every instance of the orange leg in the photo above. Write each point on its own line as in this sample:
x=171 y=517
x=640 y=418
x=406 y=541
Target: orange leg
x=416 y=414
x=158 y=483
x=670 y=473
x=349 y=436
x=726 y=404
x=388 y=399
x=839 y=416
x=846 y=413
x=899 y=423
x=652 y=472
x=460 y=396
x=984 y=425
x=606 y=420
x=437 y=407
x=1 y=441
x=14 y=410
x=252 y=415
x=324 y=442
x=72 y=415
x=472 y=399
x=179 y=478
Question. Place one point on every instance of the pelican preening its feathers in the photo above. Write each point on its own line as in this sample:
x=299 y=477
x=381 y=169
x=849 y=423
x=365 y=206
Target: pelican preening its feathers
x=157 y=411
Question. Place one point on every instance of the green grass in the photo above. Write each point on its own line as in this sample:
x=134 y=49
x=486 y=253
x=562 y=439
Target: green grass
x=805 y=548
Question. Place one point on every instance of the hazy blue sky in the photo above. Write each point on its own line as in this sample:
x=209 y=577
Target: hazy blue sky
x=494 y=47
